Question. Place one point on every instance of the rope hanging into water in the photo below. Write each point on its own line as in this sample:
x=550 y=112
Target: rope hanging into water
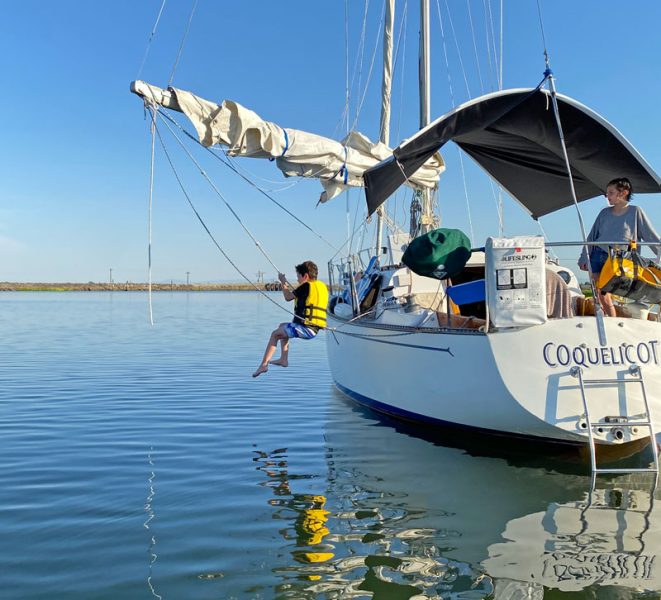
x=204 y=225
x=220 y=195
x=230 y=166
x=149 y=40
x=183 y=41
x=152 y=111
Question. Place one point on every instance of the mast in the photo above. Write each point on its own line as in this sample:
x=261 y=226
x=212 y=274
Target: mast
x=386 y=94
x=427 y=217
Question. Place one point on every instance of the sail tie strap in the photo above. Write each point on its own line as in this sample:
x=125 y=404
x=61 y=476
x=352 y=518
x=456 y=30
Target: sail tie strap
x=286 y=135
x=286 y=142
x=344 y=171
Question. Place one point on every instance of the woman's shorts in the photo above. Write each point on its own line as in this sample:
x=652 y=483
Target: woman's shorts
x=598 y=258
x=296 y=330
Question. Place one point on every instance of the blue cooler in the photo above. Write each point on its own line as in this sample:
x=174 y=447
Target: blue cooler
x=467 y=293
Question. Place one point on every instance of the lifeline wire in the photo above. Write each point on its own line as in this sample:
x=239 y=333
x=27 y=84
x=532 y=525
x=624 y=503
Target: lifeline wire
x=230 y=166
x=151 y=37
x=227 y=204
x=183 y=41
x=213 y=239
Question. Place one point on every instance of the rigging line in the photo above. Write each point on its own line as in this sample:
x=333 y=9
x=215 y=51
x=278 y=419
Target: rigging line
x=345 y=112
x=445 y=54
x=183 y=41
x=229 y=165
x=491 y=44
x=347 y=92
x=488 y=44
x=220 y=195
x=461 y=161
x=355 y=220
x=348 y=241
x=281 y=188
x=456 y=43
x=360 y=54
x=369 y=74
x=204 y=225
x=499 y=206
x=500 y=78
x=151 y=198
x=149 y=40
x=546 y=237
x=400 y=38
x=477 y=58
x=541 y=27
x=297 y=180
x=349 y=83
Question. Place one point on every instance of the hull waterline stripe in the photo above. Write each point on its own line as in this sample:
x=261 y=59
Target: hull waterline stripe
x=422 y=419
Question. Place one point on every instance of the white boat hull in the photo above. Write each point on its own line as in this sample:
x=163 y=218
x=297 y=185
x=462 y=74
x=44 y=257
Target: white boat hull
x=516 y=381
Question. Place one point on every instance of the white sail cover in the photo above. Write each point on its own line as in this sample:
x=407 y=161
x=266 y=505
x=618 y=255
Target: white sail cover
x=338 y=165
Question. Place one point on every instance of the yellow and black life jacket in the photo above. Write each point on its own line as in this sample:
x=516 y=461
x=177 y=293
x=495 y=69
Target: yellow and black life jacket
x=316 y=304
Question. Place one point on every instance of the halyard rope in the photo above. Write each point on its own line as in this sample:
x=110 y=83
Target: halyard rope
x=211 y=236
x=183 y=41
x=149 y=40
x=151 y=197
x=220 y=195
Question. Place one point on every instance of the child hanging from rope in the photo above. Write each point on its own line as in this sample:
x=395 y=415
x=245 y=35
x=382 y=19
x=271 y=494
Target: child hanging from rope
x=311 y=298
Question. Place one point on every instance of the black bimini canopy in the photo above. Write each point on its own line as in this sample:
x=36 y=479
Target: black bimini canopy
x=513 y=135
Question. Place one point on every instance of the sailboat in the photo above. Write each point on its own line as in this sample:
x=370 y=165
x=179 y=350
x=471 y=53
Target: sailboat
x=484 y=350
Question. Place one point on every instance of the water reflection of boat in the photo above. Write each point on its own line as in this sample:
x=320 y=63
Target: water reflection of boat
x=430 y=520
x=612 y=541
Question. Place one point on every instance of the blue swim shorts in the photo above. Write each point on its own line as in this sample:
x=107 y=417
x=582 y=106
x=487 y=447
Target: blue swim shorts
x=296 y=330
x=598 y=258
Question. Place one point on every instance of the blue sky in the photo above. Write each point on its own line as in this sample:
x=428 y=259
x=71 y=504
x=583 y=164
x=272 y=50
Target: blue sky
x=75 y=154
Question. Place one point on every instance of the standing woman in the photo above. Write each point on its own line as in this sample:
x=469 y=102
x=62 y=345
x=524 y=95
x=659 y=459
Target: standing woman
x=618 y=222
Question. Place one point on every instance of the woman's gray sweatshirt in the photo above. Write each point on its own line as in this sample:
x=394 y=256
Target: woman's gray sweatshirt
x=614 y=228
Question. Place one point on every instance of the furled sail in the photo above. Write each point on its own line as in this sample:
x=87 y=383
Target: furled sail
x=338 y=165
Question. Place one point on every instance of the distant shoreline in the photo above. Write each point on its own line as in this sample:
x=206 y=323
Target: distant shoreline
x=6 y=286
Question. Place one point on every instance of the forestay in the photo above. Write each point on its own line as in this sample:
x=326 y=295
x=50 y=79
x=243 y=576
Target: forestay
x=338 y=165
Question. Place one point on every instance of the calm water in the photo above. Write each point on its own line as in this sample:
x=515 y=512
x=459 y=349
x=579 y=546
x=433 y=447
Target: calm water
x=143 y=462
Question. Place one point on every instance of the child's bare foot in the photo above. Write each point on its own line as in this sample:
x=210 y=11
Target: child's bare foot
x=281 y=362
x=261 y=369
